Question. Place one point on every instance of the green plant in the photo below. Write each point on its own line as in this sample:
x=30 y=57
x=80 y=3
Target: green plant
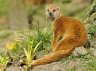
x=44 y=35
x=14 y=50
x=5 y=34
x=90 y=20
x=91 y=63
x=30 y=52
x=4 y=59
x=72 y=69
x=40 y=35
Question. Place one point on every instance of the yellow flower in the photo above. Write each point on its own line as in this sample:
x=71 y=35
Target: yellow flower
x=10 y=46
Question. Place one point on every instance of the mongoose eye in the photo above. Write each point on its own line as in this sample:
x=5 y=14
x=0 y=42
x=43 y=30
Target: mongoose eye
x=54 y=10
x=48 y=10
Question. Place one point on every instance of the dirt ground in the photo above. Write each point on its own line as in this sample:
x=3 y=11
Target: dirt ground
x=68 y=65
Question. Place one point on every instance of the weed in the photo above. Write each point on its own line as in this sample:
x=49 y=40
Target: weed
x=4 y=59
x=30 y=52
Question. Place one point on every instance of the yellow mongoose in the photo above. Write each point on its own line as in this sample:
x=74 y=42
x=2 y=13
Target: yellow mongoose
x=68 y=34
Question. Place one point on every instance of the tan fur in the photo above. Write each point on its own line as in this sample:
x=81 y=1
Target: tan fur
x=68 y=34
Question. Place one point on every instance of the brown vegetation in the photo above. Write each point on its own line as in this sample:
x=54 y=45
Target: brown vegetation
x=39 y=2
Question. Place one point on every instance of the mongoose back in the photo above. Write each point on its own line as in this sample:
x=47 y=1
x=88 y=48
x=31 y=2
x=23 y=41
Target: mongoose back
x=69 y=33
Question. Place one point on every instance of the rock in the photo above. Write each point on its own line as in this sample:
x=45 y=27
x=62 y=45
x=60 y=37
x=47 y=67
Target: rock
x=68 y=65
x=94 y=53
x=13 y=68
x=54 y=66
x=79 y=51
x=93 y=43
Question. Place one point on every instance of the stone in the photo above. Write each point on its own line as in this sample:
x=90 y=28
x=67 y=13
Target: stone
x=13 y=68
x=80 y=51
x=94 y=53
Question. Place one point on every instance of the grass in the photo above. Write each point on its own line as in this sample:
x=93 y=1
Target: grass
x=91 y=65
x=3 y=8
x=31 y=44
x=5 y=34
x=30 y=51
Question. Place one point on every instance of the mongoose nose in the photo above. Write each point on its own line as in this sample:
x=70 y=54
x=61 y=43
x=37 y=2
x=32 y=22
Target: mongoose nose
x=50 y=14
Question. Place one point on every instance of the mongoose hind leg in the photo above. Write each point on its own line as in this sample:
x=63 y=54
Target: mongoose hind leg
x=67 y=43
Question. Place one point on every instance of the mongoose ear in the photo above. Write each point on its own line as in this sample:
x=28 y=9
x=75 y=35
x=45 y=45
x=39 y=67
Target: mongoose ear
x=46 y=7
x=46 y=13
x=58 y=8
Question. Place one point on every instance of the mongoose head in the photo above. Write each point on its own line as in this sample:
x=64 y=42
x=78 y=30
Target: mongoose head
x=52 y=11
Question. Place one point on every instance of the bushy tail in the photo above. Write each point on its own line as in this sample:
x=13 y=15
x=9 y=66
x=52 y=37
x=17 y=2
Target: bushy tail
x=52 y=57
